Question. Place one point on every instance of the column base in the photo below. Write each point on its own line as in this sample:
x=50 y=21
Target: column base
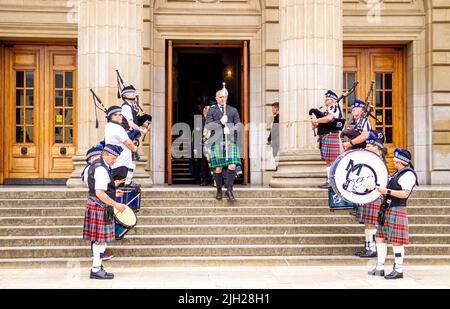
x=140 y=176
x=299 y=169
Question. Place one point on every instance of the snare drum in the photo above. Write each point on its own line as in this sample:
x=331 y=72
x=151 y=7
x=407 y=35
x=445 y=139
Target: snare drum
x=353 y=170
x=124 y=221
x=131 y=197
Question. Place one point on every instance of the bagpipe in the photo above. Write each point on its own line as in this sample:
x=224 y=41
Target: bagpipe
x=97 y=105
x=367 y=110
x=144 y=117
x=337 y=123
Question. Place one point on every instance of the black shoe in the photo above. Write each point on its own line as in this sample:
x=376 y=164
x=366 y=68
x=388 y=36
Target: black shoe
x=230 y=196
x=394 y=275
x=369 y=254
x=375 y=272
x=219 y=194
x=359 y=253
x=101 y=274
x=326 y=185
x=107 y=273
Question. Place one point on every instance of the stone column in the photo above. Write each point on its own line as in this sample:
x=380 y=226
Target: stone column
x=310 y=63
x=109 y=38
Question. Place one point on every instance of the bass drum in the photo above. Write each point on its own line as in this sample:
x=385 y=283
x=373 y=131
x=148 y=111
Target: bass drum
x=354 y=171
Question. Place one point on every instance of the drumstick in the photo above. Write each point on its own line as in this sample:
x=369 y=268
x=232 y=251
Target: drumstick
x=133 y=199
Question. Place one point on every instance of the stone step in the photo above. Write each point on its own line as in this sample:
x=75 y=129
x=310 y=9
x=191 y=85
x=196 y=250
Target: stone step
x=219 y=229
x=214 y=261
x=171 y=202
x=208 y=250
x=210 y=210
x=218 y=219
x=281 y=239
x=195 y=192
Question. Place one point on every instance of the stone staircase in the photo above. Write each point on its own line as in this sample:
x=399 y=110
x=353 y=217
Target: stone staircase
x=186 y=226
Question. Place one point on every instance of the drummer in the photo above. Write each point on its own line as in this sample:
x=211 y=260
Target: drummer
x=92 y=155
x=393 y=220
x=102 y=192
x=362 y=125
x=367 y=214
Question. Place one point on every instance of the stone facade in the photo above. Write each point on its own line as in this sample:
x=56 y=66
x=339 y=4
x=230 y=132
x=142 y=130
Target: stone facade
x=131 y=36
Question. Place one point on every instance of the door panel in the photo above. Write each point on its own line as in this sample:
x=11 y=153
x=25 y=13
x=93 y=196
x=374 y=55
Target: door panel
x=35 y=109
x=385 y=66
x=62 y=113
x=22 y=116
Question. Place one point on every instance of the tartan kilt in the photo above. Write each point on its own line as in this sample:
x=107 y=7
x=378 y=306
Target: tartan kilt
x=395 y=228
x=94 y=227
x=218 y=155
x=368 y=213
x=329 y=146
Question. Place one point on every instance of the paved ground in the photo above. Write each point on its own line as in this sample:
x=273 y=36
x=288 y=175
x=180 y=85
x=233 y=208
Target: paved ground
x=421 y=277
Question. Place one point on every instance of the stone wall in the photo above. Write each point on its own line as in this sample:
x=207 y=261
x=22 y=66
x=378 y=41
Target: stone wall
x=438 y=55
x=31 y=19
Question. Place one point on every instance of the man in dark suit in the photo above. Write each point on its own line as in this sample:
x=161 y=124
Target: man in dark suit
x=223 y=119
x=274 y=136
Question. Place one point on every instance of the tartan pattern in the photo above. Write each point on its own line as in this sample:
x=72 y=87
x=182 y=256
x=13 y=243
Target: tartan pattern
x=218 y=155
x=329 y=146
x=368 y=213
x=94 y=227
x=395 y=228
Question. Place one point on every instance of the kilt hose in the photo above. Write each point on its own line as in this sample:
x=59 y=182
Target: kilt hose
x=395 y=228
x=218 y=155
x=94 y=227
x=329 y=146
x=368 y=213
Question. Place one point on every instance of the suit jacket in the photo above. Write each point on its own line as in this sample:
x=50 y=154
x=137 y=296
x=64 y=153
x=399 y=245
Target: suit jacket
x=215 y=114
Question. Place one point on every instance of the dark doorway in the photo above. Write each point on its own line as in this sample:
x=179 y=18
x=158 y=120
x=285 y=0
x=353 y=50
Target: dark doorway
x=197 y=74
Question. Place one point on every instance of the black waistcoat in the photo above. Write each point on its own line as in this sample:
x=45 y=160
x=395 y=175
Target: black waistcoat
x=394 y=185
x=111 y=190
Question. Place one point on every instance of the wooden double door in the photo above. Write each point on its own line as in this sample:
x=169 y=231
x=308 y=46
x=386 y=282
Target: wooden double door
x=40 y=98
x=386 y=67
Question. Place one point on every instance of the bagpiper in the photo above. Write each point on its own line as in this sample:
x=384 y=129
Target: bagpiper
x=224 y=120
x=329 y=133
x=115 y=134
x=359 y=134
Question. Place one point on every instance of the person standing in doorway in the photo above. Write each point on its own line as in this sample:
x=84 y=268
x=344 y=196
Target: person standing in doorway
x=274 y=136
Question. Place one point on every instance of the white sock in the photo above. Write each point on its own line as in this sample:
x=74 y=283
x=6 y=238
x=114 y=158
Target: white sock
x=328 y=172
x=382 y=253
x=367 y=238
x=97 y=263
x=371 y=239
x=399 y=254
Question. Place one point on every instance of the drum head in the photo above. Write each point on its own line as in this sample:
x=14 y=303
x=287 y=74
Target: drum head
x=354 y=169
x=127 y=218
